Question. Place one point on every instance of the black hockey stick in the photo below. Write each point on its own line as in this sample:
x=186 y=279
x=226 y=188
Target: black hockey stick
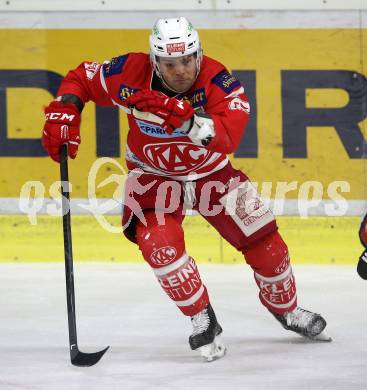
x=77 y=357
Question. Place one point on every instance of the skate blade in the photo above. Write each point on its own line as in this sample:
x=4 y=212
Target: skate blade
x=214 y=350
x=323 y=337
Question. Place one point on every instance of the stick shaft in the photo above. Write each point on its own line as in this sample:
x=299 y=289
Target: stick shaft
x=68 y=249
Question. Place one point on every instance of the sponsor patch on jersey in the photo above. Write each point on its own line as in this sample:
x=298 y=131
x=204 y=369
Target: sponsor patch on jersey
x=197 y=98
x=125 y=91
x=225 y=81
x=246 y=208
x=157 y=131
x=114 y=66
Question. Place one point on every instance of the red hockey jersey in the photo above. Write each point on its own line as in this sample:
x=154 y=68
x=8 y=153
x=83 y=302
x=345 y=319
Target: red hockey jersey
x=149 y=147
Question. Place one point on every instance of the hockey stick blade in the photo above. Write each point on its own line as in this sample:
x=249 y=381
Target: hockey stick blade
x=82 y=359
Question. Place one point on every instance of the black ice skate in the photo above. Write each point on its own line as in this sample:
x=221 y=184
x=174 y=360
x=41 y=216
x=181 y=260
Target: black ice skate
x=305 y=323
x=205 y=336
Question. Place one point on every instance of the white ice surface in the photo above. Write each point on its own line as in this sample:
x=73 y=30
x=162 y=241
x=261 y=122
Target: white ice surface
x=121 y=305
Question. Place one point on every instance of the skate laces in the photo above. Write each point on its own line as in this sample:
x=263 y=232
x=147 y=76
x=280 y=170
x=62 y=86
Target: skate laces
x=299 y=318
x=200 y=322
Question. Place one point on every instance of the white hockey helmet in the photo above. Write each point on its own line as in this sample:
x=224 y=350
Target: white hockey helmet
x=175 y=37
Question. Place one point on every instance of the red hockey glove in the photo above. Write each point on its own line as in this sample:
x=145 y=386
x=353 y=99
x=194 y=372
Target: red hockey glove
x=62 y=126
x=172 y=111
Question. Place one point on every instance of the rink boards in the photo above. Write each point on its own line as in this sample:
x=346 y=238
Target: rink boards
x=316 y=240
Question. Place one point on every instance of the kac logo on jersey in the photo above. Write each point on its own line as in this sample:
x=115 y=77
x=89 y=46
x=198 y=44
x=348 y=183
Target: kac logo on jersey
x=164 y=255
x=157 y=131
x=176 y=157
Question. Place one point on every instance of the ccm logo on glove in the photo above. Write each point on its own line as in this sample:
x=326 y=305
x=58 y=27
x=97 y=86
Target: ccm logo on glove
x=62 y=126
x=59 y=115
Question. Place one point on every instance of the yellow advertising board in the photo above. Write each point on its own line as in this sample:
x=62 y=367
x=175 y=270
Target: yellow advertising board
x=307 y=90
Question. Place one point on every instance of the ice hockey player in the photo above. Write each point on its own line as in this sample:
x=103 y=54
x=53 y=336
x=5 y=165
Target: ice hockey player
x=362 y=263
x=186 y=113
